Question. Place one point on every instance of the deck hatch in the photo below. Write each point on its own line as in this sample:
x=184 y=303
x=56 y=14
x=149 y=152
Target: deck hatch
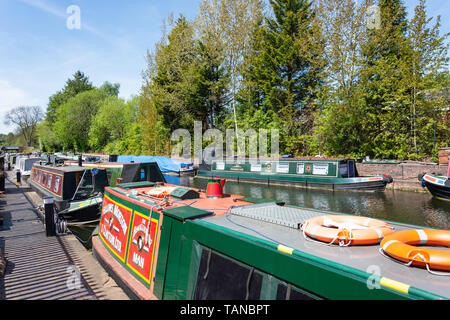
x=273 y=213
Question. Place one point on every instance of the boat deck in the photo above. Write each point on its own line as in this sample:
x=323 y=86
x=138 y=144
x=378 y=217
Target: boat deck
x=276 y=223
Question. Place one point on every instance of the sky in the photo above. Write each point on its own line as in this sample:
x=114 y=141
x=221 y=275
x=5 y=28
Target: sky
x=41 y=44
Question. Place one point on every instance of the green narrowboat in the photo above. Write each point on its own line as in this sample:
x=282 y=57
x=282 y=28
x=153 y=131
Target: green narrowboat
x=176 y=243
x=320 y=173
x=125 y=172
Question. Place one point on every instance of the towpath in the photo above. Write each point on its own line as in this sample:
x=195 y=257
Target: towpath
x=45 y=268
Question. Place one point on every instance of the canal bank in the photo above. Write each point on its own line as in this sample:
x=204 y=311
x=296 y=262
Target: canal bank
x=41 y=267
x=405 y=174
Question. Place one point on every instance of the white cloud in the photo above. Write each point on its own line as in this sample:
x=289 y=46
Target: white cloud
x=11 y=97
x=120 y=43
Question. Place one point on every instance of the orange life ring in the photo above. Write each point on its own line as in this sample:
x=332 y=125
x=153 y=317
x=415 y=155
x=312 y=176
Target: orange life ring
x=401 y=246
x=160 y=192
x=346 y=230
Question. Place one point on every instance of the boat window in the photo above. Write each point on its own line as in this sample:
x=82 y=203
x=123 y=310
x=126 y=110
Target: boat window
x=300 y=168
x=143 y=175
x=221 y=278
x=93 y=182
x=49 y=182
x=56 y=186
x=283 y=167
x=85 y=186
x=255 y=167
x=29 y=165
x=44 y=179
x=343 y=170
x=220 y=166
x=40 y=176
x=320 y=169
x=289 y=292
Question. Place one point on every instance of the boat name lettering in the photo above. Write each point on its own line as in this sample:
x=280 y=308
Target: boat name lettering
x=114 y=209
x=141 y=228
x=138 y=260
x=112 y=239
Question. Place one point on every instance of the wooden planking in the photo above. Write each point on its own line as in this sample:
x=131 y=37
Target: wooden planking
x=38 y=267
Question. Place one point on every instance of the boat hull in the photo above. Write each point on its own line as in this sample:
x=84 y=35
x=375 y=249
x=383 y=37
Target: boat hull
x=439 y=188
x=81 y=211
x=366 y=184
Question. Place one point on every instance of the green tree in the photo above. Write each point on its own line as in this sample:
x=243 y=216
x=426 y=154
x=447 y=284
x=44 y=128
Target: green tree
x=79 y=83
x=429 y=60
x=384 y=88
x=279 y=77
x=74 y=118
x=111 y=89
x=109 y=125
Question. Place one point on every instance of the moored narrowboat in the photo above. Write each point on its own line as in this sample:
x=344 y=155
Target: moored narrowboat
x=437 y=185
x=176 y=243
x=321 y=173
x=121 y=172
x=24 y=165
x=77 y=191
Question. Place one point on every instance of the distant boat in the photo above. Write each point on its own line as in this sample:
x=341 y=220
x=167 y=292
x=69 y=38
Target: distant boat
x=167 y=165
x=24 y=165
x=319 y=173
x=438 y=186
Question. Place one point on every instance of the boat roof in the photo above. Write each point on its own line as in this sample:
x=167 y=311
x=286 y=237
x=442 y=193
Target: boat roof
x=279 y=223
x=362 y=258
x=284 y=159
x=104 y=164
x=62 y=168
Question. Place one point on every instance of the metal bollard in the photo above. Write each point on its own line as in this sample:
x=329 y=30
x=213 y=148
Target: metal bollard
x=50 y=227
x=18 y=178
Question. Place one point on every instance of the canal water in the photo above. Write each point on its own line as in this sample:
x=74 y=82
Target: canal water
x=414 y=208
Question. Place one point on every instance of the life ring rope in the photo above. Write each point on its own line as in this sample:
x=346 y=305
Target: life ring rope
x=345 y=230
x=402 y=247
x=411 y=262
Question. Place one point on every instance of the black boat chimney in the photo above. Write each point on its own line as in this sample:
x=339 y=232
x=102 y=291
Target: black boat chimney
x=80 y=161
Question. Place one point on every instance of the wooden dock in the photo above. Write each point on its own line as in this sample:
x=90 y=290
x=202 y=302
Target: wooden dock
x=40 y=267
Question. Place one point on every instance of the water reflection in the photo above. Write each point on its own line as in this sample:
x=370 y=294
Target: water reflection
x=401 y=206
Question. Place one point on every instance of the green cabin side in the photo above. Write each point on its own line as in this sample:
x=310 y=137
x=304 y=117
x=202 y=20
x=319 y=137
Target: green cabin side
x=306 y=168
x=195 y=257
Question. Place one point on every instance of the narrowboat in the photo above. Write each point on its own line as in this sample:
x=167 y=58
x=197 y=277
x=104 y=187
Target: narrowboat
x=438 y=186
x=77 y=191
x=176 y=243
x=122 y=172
x=24 y=165
x=168 y=166
x=320 y=173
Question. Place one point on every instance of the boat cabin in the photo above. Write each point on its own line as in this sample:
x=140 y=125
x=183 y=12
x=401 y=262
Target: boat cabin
x=24 y=165
x=62 y=182
x=308 y=167
x=322 y=173
x=126 y=172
